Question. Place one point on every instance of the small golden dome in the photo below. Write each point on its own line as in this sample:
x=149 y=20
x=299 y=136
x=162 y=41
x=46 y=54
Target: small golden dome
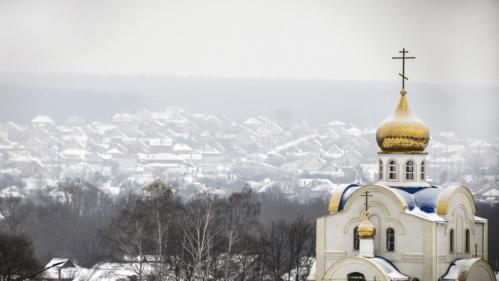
x=366 y=228
x=402 y=132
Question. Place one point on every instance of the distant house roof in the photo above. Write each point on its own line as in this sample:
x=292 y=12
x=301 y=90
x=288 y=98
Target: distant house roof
x=105 y=271
x=67 y=270
x=42 y=119
x=493 y=192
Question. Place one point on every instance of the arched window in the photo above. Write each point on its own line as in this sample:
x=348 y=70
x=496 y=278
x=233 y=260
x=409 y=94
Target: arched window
x=392 y=170
x=390 y=239
x=451 y=241
x=356 y=241
x=467 y=241
x=422 y=170
x=380 y=170
x=409 y=170
x=356 y=276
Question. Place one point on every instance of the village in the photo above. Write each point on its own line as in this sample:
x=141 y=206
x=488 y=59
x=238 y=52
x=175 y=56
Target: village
x=215 y=154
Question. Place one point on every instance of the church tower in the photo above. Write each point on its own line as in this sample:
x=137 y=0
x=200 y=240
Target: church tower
x=402 y=139
x=401 y=228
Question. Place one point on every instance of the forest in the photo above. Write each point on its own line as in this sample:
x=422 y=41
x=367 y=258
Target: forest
x=247 y=236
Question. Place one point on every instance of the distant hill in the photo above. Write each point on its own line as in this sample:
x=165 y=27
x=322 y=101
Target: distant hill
x=467 y=110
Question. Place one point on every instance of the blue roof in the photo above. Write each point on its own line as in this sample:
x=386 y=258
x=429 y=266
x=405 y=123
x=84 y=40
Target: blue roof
x=346 y=194
x=425 y=198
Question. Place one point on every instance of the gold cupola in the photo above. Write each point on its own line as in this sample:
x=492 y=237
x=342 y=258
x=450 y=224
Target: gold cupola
x=366 y=228
x=402 y=132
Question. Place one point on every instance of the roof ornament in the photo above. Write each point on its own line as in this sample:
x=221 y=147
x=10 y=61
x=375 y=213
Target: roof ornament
x=367 y=194
x=366 y=229
x=403 y=58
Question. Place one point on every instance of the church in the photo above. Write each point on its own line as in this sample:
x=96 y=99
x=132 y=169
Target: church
x=402 y=227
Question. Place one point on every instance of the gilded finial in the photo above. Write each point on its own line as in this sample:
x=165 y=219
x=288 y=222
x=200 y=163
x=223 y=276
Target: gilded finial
x=366 y=229
x=402 y=132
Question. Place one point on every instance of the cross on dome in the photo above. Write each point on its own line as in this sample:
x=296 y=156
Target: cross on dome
x=403 y=58
x=366 y=194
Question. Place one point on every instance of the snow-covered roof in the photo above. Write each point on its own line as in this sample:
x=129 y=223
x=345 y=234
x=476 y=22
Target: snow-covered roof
x=114 y=151
x=457 y=267
x=354 y=131
x=159 y=157
x=252 y=121
x=336 y=123
x=389 y=269
x=42 y=119
x=181 y=147
x=75 y=152
x=163 y=141
x=12 y=191
x=68 y=269
x=113 y=271
x=493 y=192
x=421 y=202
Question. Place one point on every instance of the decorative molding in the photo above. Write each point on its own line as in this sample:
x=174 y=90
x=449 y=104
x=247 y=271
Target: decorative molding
x=385 y=215
x=335 y=254
x=413 y=257
x=389 y=192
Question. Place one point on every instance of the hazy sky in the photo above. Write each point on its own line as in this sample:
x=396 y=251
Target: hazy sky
x=455 y=41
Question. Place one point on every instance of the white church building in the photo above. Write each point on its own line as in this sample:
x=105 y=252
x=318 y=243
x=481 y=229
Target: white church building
x=402 y=228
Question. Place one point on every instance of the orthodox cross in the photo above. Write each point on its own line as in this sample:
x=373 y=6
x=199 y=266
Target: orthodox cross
x=366 y=194
x=403 y=58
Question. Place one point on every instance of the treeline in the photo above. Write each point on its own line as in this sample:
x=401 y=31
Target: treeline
x=490 y=211
x=246 y=236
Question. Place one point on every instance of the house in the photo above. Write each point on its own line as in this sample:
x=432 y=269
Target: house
x=61 y=269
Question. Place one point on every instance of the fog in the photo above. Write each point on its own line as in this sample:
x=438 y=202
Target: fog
x=455 y=42
x=319 y=60
x=470 y=111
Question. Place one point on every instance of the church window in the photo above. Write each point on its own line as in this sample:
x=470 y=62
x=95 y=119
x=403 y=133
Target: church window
x=392 y=170
x=467 y=241
x=380 y=170
x=422 y=170
x=356 y=241
x=356 y=276
x=451 y=241
x=409 y=170
x=390 y=239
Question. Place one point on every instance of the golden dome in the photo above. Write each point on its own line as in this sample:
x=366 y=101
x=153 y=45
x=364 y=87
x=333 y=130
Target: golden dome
x=402 y=131
x=366 y=228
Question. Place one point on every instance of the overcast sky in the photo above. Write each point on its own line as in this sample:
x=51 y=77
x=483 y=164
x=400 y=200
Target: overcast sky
x=455 y=41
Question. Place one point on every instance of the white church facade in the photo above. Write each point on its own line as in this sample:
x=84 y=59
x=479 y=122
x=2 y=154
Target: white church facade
x=402 y=228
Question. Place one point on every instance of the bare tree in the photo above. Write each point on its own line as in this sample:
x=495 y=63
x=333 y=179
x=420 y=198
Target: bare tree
x=14 y=211
x=200 y=229
x=239 y=217
x=273 y=243
x=300 y=249
x=129 y=237
x=16 y=257
x=165 y=207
